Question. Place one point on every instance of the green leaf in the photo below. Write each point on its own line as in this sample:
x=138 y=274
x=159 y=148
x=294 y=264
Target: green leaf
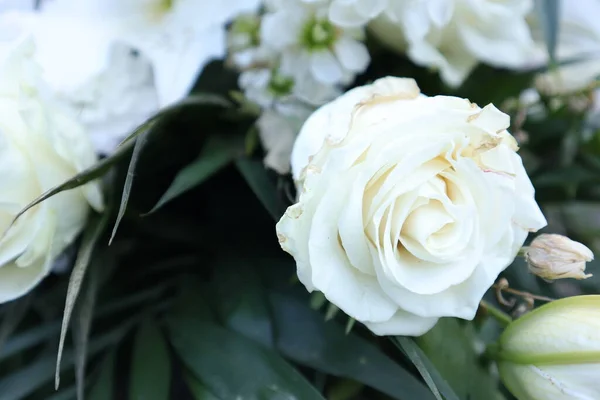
x=83 y=325
x=197 y=99
x=199 y=391
x=140 y=143
x=240 y=301
x=103 y=387
x=232 y=366
x=305 y=337
x=432 y=377
x=45 y=332
x=450 y=346
x=257 y=178
x=91 y=235
x=21 y=383
x=345 y=389
x=14 y=314
x=549 y=15
x=96 y=171
x=151 y=365
x=216 y=154
x=64 y=394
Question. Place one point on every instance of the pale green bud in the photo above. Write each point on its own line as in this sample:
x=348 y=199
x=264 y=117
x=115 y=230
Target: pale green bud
x=553 y=352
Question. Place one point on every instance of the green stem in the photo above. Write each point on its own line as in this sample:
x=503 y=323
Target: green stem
x=495 y=312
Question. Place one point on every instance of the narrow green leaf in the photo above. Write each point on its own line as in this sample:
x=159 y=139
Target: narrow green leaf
x=19 y=384
x=549 y=16
x=216 y=154
x=432 y=377
x=151 y=365
x=15 y=312
x=29 y=338
x=256 y=176
x=199 y=391
x=96 y=171
x=140 y=143
x=45 y=332
x=90 y=237
x=197 y=99
x=232 y=366
x=103 y=387
x=69 y=393
x=83 y=325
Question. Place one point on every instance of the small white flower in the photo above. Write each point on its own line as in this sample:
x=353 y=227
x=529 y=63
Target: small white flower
x=355 y=13
x=278 y=129
x=309 y=41
x=244 y=44
x=178 y=36
x=454 y=35
x=268 y=87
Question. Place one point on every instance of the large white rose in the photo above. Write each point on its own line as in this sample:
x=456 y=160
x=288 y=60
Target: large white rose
x=40 y=147
x=410 y=205
x=454 y=35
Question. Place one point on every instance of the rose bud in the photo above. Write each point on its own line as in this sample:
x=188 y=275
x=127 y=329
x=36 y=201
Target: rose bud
x=552 y=256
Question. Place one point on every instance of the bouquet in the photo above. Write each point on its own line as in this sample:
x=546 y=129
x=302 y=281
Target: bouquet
x=299 y=199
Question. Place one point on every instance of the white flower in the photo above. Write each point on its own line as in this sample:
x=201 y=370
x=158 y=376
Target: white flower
x=409 y=209
x=553 y=352
x=116 y=101
x=244 y=44
x=309 y=42
x=454 y=35
x=40 y=147
x=178 y=36
x=278 y=129
x=355 y=13
x=111 y=100
x=268 y=88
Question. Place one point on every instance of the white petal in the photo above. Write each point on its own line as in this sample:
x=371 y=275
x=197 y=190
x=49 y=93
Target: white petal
x=352 y=54
x=402 y=324
x=177 y=66
x=356 y=293
x=325 y=67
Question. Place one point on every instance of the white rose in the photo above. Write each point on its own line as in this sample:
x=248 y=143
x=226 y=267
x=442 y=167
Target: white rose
x=454 y=35
x=410 y=208
x=40 y=147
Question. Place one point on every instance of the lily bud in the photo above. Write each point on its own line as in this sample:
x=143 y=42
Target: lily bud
x=552 y=256
x=553 y=352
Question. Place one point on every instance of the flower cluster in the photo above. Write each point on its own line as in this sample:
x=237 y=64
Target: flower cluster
x=115 y=63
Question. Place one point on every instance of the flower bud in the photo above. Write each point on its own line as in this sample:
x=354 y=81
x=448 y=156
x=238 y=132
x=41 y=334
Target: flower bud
x=553 y=352
x=552 y=256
